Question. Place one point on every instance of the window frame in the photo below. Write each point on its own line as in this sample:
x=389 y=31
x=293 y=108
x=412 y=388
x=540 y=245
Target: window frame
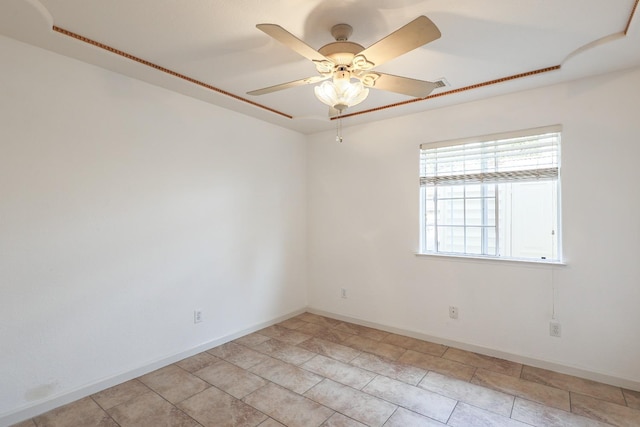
x=556 y=192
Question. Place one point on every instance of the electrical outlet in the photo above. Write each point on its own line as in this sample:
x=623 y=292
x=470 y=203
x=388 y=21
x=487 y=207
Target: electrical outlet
x=197 y=316
x=555 y=329
x=343 y=293
x=453 y=312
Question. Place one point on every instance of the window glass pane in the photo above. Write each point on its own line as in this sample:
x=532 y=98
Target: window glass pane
x=430 y=238
x=473 y=190
x=429 y=207
x=490 y=210
x=474 y=212
x=451 y=212
x=451 y=239
x=457 y=191
x=450 y=191
x=490 y=236
x=474 y=240
x=532 y=220
x=429 y=191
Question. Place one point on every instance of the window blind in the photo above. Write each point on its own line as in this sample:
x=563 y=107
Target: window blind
x=521 y=158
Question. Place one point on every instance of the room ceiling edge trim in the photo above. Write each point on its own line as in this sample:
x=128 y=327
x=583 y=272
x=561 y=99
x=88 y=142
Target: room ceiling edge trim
x=631 y=15
x=239 y=98
x=288 y=116
x=163 y=69
x=454 y=91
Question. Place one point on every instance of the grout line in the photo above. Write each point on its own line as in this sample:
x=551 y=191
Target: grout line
x=513 y=405
x=571 y=402
x=390 y=416
x=452 y=411
x=99 y=406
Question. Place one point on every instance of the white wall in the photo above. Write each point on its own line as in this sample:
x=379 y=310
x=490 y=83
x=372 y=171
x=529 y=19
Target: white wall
x=363 y=233
x=124 y=207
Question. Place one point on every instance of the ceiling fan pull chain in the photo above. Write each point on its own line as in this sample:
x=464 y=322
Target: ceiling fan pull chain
x=339 y=127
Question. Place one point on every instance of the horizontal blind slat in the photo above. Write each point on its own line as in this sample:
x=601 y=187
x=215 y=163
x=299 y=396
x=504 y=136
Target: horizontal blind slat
x=492 y=177
x=533 y=157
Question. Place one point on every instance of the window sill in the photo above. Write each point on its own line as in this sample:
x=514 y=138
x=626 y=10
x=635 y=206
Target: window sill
x=457 y=257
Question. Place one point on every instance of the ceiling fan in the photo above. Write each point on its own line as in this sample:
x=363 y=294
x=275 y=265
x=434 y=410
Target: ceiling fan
x=350 y=66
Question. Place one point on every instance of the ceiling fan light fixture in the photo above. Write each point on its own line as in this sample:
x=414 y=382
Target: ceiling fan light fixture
x=341 y=93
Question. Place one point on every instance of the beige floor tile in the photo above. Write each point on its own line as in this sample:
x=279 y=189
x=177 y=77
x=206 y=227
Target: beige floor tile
x=339 y=420
x=330 y=349
x=362 y=331
x=389 y=368
x=334 y=335
x=339 y=371
x=227 y=377
x=369 y=345
x=287 y=375
x=293 y=323
x=571 y=383
x=632 y=398
x=251 y=339
x=270 y=422
x=482 y=397
x=386 y=366
x=215 y=408
x=467 y=415
x=325 y=332
x=544 y=416
x=606 y=412
x=416 y=344
x=318 y=320
x=312 y=329
x=284 y=351
x=522 y=388
x=416 y=399
x=239 y=355
x=150 y=410
x=405 y=418
x=486 y=362
x=174 y=383
x=438 y=364
x=84 y=412
x=355 y=404
x=197 y=362
x=283 y=334
x=287 y=407
x=119 y=394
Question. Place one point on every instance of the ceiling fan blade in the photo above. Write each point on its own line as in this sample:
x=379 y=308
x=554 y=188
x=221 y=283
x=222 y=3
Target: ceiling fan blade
x=403 y=85
x=416 y=33
x=302 y=82
x=291 y=41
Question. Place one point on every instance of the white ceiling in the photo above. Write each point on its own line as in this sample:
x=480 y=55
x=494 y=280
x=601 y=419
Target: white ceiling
x=216 y=43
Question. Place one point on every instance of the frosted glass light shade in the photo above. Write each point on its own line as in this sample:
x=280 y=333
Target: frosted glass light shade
x=341 y=93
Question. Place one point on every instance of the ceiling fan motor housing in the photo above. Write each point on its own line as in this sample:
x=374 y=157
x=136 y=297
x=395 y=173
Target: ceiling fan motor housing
x=341 y=53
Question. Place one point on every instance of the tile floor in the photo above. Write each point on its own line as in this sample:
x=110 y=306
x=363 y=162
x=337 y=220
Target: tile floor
x=315 y=371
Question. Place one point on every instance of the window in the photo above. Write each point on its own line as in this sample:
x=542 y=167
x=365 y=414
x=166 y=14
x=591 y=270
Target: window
x=497 y=196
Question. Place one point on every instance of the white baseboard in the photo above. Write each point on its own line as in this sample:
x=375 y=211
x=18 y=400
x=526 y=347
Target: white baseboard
x=538 y=363
x=34 y=409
